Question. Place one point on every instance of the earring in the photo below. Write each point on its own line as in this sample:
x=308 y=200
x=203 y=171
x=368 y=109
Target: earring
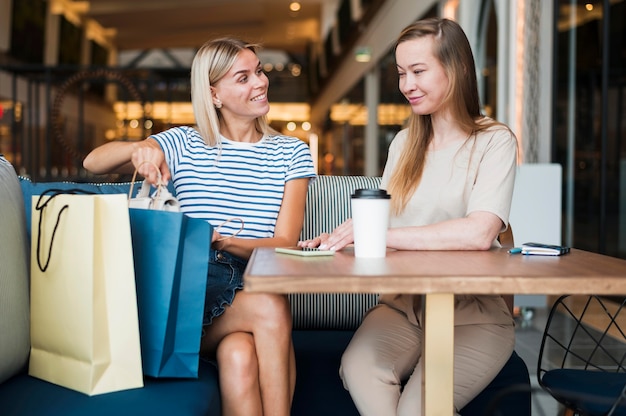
x=218 y=104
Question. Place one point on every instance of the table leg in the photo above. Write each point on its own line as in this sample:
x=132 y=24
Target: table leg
x=438 y=357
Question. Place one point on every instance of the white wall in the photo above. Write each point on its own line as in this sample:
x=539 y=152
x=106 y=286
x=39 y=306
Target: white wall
x=536 y=212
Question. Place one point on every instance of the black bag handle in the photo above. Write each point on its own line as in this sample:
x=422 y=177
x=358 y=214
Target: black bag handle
x=41 y=206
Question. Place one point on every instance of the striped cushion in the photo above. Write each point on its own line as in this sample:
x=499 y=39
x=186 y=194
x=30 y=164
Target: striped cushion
x=327 y=206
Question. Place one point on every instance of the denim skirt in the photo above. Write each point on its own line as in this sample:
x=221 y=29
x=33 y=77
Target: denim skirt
x=225 y=277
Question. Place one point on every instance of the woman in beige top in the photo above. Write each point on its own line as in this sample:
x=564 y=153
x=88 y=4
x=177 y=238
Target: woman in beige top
x=450 y=175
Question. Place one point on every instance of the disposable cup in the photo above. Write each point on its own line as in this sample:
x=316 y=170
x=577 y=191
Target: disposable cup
x=370 y=219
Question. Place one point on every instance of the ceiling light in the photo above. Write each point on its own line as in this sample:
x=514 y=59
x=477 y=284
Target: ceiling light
x=362 y=54
x=296 y=70
x=294 y=6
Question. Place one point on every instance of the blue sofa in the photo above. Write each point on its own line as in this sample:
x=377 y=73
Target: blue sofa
x=323 y=326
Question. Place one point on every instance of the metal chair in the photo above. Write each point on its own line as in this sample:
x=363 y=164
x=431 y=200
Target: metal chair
x=582 y=358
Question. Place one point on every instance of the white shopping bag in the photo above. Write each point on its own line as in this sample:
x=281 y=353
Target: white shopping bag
x=84 y=327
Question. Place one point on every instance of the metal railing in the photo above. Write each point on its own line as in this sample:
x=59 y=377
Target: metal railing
x=53 y=116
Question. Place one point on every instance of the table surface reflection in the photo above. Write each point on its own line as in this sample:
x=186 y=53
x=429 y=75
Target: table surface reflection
x=461 y=272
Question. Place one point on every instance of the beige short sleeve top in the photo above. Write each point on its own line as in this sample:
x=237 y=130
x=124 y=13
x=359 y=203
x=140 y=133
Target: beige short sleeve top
x=477 y=175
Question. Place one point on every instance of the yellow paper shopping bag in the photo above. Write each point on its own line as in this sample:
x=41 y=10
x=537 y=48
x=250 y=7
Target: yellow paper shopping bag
x=84 y=327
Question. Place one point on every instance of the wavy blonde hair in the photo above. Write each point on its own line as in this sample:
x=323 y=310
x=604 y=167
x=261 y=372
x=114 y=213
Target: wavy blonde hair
x=453 y=51
x=210 y=64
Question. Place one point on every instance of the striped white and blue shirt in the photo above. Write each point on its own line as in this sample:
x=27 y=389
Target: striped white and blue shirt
x=243 y=180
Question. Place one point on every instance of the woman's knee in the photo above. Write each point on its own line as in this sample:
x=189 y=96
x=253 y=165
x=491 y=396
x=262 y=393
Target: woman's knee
x=236 y=355
x=274 y=312
x=358 y=364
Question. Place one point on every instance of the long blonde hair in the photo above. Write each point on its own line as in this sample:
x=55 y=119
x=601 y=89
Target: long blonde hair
x=452 y=49
x=210 y=64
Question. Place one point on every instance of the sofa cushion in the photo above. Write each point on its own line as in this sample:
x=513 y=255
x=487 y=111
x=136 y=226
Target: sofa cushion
x=319 y=389
x=14 y=306
x=24 y=395
x=328 y=202
x=507 y=394
x=327 y=206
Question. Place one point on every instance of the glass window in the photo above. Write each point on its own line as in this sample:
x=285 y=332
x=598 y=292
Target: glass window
x=589 y=127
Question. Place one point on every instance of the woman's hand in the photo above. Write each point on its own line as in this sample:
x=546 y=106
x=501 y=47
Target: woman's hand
x=218 y=242
x=338 y=239
x=149 y=160
x=314 y=242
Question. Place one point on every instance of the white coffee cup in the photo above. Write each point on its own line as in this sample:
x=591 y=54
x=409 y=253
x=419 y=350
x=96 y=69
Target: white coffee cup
x=370 y=220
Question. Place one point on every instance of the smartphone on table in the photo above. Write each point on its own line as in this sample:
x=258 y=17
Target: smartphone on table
x=304 y=251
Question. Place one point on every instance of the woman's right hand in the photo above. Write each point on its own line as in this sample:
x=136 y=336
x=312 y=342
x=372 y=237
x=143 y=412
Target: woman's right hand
x=147 y=157
x=314 y=242
x=338 y=239
x=126 y=157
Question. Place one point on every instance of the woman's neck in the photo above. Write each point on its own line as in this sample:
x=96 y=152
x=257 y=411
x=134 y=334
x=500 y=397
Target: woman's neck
x=245 y=133
x=446 y=132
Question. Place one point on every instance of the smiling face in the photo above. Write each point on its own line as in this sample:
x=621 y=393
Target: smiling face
x=422 y=78
x=242 y=92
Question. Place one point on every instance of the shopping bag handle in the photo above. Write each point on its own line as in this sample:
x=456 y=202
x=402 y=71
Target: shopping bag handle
x=40 y=207
x=134 y=178
x=219 y=227
x=161 y=200
x=143 y=192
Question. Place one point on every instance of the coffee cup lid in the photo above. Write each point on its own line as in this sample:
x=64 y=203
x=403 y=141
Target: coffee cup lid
x=371 y=194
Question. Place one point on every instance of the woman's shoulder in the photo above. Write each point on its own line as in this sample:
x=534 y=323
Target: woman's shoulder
x=402 y=134
x=488 y=124
x=181 y=132
x=495 y=130
x=399 y=139
x=495 y=139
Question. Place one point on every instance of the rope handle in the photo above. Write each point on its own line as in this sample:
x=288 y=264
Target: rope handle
x=132 y=181
x=219 y=227
x=39 y=206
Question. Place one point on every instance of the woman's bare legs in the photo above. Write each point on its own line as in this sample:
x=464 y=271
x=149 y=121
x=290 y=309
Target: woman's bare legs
x=239 y=375
x=252 y=343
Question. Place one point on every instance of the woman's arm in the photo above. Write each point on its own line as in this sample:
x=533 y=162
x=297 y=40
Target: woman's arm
x=288 y=224
x=125 y=157
x=477 y=231
x=110 y=157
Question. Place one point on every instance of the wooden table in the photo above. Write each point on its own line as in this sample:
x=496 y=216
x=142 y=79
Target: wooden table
x=438 y=275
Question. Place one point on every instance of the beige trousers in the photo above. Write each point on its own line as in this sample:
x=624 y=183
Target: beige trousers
x=380 y=367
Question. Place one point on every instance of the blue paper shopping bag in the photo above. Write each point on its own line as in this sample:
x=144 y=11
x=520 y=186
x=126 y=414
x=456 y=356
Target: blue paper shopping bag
x=171 y=255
